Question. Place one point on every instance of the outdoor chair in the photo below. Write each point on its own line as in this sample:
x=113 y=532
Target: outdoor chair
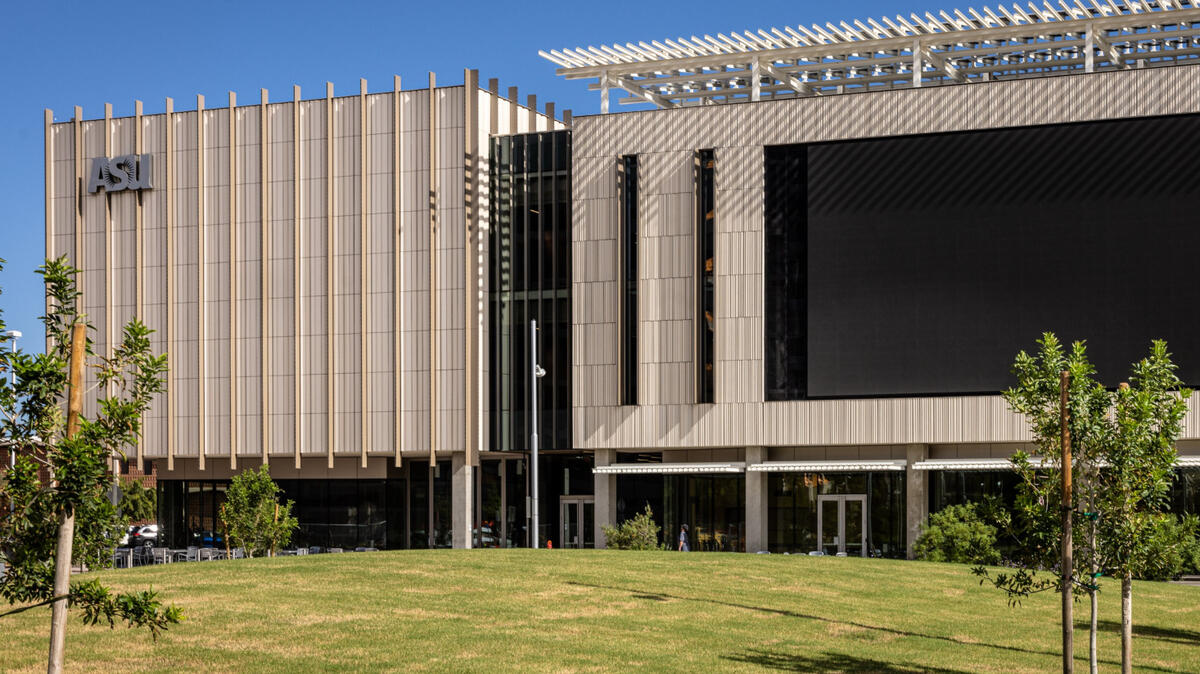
x=314 y=550
x=335 y=550
x=301 y=551
x=816 y=553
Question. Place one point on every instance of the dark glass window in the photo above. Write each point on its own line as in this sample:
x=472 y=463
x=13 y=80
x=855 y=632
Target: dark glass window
x=706 y=216
x=793 y=506
x=627 y=182
x=530 y=267
x=785 y=328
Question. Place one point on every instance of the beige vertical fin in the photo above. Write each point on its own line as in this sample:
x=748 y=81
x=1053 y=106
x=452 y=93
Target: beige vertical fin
x=169 y=321
x=139 y=259
x=513 y=111
x=397 y=343
x=471 y=259
x=433 y=333
x=48 y=142
x=531 y=110
x=493 y=106
x=297 y=304
x=234 y=374
x=108 y=246
x=567 y=117
x=550 y=114
x=201 y=330
x=364 y=427
x=77 y=137
x=330 y=271
x=264 y=250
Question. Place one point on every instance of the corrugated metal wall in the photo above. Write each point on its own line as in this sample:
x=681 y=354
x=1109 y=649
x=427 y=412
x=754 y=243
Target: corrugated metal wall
x=211 y=417
x=665 y=141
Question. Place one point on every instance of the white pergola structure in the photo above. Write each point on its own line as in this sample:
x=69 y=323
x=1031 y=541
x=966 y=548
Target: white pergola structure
x=951 y=48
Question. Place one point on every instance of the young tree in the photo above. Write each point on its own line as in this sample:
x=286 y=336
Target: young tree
x=138 y=504
x=1123 y=452
x=253 y=516
x=1135 y=481
x=70 y=519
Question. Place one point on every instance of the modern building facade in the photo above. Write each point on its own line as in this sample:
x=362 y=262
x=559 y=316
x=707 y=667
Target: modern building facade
x=778 y=308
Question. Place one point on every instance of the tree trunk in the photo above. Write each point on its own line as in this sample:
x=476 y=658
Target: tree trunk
x=66 y=523
x=1092 y=664
x=1127 y=623
x=62 y=585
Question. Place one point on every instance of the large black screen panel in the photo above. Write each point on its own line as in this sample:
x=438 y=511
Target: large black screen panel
x=932 y=260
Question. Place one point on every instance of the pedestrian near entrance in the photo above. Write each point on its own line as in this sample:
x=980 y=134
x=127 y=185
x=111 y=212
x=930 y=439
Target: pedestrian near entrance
x=683 y=539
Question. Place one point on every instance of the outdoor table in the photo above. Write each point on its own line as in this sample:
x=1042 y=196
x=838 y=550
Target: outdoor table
x=162 y=555
x=124 y=555
x=207 y=554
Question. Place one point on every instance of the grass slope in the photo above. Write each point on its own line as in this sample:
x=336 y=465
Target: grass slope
x=601 y=611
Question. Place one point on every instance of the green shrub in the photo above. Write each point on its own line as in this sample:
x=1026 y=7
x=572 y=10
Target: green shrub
x=1172 y=549
x=958 y=534
x=638 y=533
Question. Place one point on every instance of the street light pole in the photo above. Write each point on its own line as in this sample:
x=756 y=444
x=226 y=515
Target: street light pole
x=536 y=372
x=13 y=335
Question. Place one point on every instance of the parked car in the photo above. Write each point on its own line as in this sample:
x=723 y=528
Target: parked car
x=146 y=534
x=124 y=542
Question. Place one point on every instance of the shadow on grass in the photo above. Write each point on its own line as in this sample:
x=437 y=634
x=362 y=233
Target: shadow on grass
x=1172 y=634
x=829 y=662
x=661 y=596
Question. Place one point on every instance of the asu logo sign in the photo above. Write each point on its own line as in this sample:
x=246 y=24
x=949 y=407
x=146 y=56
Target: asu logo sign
x=127 y=172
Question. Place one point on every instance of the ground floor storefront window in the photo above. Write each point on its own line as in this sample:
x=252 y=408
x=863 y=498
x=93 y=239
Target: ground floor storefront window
x=857 y=514
x=712 y=506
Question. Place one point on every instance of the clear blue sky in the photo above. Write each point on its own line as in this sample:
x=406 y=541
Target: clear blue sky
x=65 y=53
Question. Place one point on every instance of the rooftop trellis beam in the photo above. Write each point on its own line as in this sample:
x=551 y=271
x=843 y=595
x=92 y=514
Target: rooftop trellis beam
x=956 y=45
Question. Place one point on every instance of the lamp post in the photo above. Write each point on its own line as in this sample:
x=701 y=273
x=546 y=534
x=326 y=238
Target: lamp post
x=536 y=372
x=13 y=335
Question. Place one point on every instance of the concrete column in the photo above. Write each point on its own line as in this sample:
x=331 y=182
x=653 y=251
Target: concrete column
x=605 y=491
x=916 y=494
x=462 y=490
x=756 y=501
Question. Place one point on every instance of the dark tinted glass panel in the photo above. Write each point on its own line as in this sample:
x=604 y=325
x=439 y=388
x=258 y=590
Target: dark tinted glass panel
x=1185 y=492
x=706 y=214
x=793 y=510
x=629 y=277
x=530 y=280
x=934 y=259
x=785 y=248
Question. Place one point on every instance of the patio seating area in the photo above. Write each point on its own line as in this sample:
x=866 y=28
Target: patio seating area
x=126 y=558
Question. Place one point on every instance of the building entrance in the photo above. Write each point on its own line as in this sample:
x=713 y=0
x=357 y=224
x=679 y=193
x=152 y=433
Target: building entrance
x=842 y=524
x=577 y=514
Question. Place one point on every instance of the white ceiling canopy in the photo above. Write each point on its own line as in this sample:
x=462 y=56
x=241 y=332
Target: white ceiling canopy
x=951 y=47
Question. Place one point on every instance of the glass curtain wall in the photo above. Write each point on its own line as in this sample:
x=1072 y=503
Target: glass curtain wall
x=713 y=507
x=530 y=279
x=792 y=510
x=343 y=514
x=1185 y=492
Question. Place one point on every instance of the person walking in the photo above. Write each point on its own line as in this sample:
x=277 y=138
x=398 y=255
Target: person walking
x=683 y=539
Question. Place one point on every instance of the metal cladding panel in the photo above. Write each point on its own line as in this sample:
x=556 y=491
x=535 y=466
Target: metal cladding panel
x=230 y=240
x=738 y=132
x=184 y=359
x=281 y=299
x=154 y=276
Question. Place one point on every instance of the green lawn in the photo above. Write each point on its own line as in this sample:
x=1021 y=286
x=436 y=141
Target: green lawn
x=601 y=611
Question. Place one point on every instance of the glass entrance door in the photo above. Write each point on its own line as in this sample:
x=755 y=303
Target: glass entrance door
x=842 y=524
x=577 y=514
